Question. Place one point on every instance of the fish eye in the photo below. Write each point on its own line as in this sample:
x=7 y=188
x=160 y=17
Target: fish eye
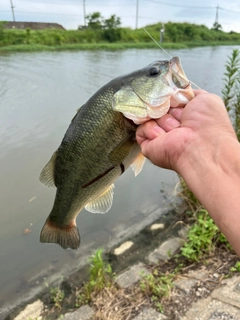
x=154 y=71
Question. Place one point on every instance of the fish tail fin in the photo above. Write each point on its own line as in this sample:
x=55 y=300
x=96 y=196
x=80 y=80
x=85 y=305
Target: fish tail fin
x=67 y=237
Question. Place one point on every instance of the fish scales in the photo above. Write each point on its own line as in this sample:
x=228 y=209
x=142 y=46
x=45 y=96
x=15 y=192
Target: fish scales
x=83 y=135
x=100 y=144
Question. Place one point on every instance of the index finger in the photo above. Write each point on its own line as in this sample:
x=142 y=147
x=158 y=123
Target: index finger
x=199 y=91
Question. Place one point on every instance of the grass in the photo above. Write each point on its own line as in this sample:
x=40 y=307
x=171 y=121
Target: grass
x=236 y=268
x=203 y=238
x=100 y=276
x=56 y=295
x=157 y=287
x=87 y=46
x=108 y=46
x=231 y=89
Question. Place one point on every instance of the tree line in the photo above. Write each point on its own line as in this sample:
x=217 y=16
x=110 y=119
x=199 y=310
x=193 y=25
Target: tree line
x=99 y=29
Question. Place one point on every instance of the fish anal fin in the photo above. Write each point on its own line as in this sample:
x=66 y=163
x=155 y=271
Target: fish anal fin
x=67 y=237
x=138 y=163
x=103 y=203
x=47 y=173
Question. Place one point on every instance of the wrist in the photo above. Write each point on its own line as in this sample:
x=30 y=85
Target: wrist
x=204 y=165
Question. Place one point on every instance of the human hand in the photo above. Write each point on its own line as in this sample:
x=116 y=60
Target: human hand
x=199 y=143
x=200 y=130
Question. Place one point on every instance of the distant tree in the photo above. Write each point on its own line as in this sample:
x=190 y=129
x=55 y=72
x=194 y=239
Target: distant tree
x=2 y=30
x=172 y=32
x=216 y=26
x=113 y=22
x=95 y=20
x=112 y=33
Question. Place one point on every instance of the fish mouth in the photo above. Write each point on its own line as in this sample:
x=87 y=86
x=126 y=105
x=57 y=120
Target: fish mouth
x=176 y=77
x=179 y=83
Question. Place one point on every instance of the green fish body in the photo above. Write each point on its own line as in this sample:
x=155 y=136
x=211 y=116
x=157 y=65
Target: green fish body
x=100 y=145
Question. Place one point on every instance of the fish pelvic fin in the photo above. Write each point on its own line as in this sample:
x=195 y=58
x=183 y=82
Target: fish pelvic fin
x=138 y=163
x=67 y=237
x=103 y=203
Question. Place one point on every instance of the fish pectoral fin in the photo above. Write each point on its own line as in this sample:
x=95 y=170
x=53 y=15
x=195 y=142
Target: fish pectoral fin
x=103 y=203
x=47 y=173
x=138 y=163
x=67 y=237
x=127 y=101
x=122 y=150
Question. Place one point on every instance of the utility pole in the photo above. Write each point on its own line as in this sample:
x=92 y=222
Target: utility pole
x=161 y=33
x=84 y=13
x=12 y=7
x=136 y=14
x=216 y=17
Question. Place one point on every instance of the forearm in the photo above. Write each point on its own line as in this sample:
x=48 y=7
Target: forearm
x=214 y=179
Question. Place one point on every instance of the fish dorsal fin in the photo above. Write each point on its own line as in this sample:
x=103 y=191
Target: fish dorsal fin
x=138 y=163
x=47 y=174
x=103 y=203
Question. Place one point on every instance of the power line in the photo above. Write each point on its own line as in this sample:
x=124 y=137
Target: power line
x=194 y=7
x=77 y=3
x=228 y=10
x=53 y=13
x=178 y=5
x=56 y=13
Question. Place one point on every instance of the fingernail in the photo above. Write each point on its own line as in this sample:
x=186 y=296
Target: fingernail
x=158 y=129
x=173 y=123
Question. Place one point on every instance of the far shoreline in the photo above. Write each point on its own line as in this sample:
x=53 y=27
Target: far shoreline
x=112 y=46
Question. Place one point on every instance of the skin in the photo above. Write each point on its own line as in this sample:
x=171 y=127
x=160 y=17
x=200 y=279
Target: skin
x=200 y=144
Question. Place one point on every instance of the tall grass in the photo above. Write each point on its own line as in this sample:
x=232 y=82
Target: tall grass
x=231 y=89
x=175 y=33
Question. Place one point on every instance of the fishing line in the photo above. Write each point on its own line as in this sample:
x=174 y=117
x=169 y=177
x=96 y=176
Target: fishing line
x=167 y=54
x=195 y=84
x=157 y=43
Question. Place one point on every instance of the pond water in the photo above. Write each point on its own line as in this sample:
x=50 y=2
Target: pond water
x=39 y=94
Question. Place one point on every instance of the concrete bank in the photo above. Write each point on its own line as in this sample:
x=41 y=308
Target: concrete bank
x=193 y=296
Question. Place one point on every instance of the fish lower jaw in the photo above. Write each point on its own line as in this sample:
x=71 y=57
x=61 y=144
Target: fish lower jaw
x=155 y=112
x=136 y=119
x=181 y=97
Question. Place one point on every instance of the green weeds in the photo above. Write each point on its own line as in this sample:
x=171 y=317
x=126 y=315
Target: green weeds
x=236 y=268
x=56 y=295
x=231 y=89
x=186 y=194
x=157 y=287
x=101 y=276
x=203 y=238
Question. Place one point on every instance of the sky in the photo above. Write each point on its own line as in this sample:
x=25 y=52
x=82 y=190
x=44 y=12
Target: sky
x=70 y=13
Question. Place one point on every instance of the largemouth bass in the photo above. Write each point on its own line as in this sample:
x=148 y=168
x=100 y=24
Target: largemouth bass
x=100 y=144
